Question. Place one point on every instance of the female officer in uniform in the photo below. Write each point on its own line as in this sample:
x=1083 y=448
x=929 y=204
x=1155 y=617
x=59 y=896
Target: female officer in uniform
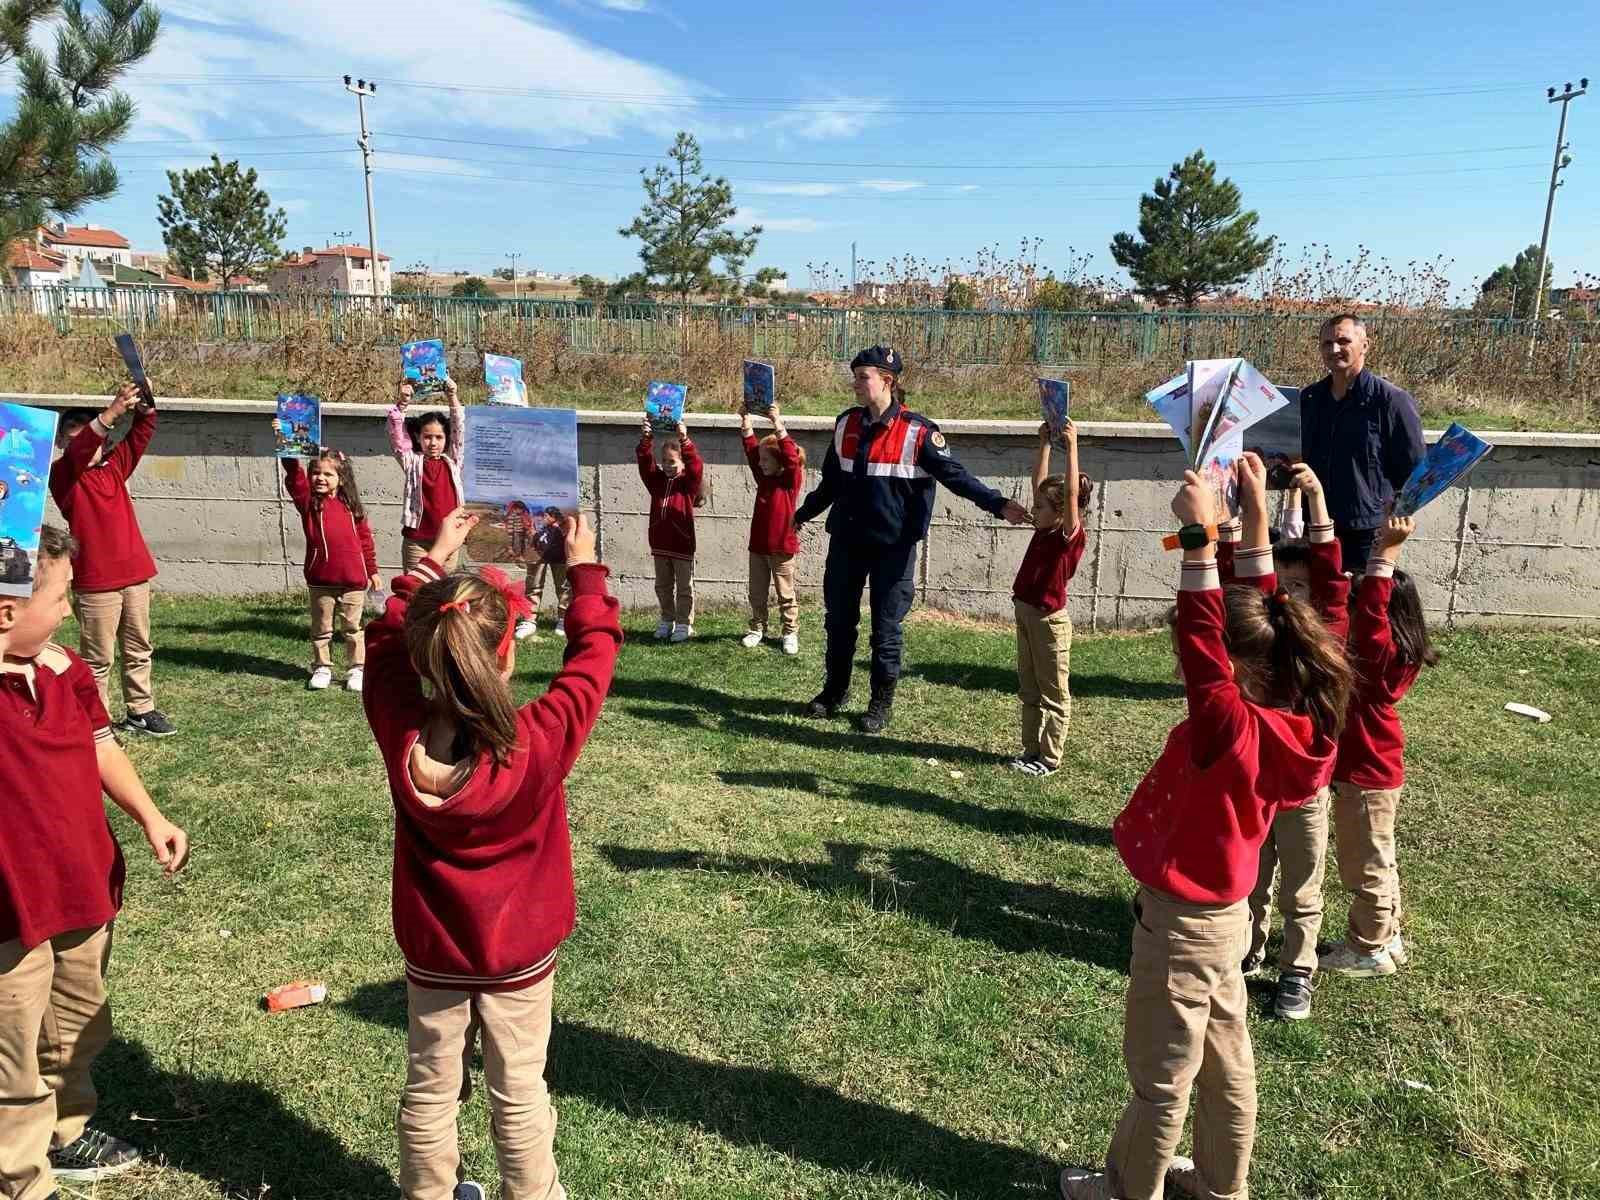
x=878 y=477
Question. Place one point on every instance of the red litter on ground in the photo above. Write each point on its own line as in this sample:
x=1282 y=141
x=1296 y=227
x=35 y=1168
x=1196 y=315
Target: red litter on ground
x=298 y=994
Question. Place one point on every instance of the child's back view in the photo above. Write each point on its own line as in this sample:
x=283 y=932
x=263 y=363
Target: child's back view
x=483 y=891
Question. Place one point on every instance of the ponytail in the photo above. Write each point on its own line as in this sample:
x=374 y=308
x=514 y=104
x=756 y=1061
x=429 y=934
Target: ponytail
x=1285 y=657
x=454 y=629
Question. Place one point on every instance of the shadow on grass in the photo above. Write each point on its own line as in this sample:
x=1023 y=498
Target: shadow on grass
x=281 y=625
x=989 y=677
x=230 y=662
x=1016 y=917
x=759 y=1107
x=234 y=1133
x=1003 y=821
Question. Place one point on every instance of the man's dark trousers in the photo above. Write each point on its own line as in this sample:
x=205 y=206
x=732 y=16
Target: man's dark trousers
x=1356 y=545
x=851 y=566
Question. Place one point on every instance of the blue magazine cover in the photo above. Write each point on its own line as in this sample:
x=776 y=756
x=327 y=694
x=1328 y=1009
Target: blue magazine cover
x=504 y=377
x=424 y=366
x=1456 y=452
x=517 y=463
x=1171 y=403
x=760 y=388
x=664 y=404
x=1055 y=397
x=27 y=436
x=298 y=425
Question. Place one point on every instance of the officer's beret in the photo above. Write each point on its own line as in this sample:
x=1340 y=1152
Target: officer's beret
x=885 y=358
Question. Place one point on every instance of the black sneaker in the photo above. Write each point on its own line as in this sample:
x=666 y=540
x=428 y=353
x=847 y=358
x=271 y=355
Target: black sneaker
x=93 y=1156
x=1251 y=966
x=823 y=705
x=152 y=724
x=469 y=1189
x=1293 y=999
x=1037 y=767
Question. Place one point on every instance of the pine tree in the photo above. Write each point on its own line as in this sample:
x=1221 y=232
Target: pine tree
x=1509 y=290
x=1192 y=238
x=218 y=222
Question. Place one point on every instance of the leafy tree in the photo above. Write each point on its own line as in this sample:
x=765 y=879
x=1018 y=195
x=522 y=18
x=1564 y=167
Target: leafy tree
x=473 y=287
x=67 y=115
x=1509 y=290
x=960 y=295
x=218 y=222
x=682 y=229
x=1192 y=237
x=591 y=287
x=503 y=273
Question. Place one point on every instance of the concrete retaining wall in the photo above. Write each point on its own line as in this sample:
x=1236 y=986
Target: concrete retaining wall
x=1517 y=542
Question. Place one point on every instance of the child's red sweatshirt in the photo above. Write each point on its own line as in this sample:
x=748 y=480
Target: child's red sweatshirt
x=1372 y=749
x=483 y=893
x=772 y=523
x=671 y=500
x=339 y=550
x=1194 y=826
x=95 y=501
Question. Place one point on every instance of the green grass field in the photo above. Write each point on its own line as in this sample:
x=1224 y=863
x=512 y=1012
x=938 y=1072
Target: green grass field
x=813 y=964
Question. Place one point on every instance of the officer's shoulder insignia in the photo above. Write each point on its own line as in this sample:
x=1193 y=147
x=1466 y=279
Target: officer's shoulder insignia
x=937 y=439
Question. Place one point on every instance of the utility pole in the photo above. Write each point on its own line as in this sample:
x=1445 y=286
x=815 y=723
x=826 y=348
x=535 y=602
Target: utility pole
x=852 y=269
x=362 y=89
x=1564 y=98
x=340 y=237
x=513 y=256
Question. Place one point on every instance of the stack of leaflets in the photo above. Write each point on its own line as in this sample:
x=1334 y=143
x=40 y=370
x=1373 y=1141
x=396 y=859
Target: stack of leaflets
x=760 y=388
x=1055 y=397
x=27 y=437
x=1456 y=452
x=1209 y=408
x=424 y=367
x=664 y=404
x=504 y=377
x=298 y=425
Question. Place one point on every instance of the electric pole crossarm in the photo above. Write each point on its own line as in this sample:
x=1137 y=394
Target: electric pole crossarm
x=1564 y=98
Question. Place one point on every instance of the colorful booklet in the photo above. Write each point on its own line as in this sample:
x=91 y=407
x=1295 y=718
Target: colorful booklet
x=424 y=366
x=664 y=404
x=1207 y=377
x=760 y=388
x=1055 y=397
x=27 y=437
x=1456 y=452
x=504 y=377
x=299 y=425
x=1171 y=402
x=1243 y=399
x=517 y=462
x=130 y=355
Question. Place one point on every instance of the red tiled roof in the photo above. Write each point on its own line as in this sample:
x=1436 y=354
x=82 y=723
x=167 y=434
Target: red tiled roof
x=337 y=252
x=22 y=256
x=193 y=285
x=82 y=235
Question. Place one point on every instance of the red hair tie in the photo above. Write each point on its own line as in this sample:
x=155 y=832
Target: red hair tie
x=517 y=603
x=456 y=606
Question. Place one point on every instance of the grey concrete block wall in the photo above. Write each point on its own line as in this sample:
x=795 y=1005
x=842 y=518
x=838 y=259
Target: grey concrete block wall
x=1517 y=542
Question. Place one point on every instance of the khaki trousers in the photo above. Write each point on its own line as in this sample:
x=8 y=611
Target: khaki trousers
x=1364 y=826
x=773 y=572
x=109 y=622
x=516 y=1037
x=675 y=589
x=1044 y=656
x=54 y=1021
x=1185 y=1030
x=556 y=573
x=328 y=606
x=412 y=552
x=1297 y=846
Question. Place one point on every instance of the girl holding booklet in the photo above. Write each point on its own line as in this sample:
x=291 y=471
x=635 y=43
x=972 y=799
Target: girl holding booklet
x=779 y=466
x=429 y=449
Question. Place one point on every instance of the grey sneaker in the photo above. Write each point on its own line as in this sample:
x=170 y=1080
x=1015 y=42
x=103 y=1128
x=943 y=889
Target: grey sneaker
x=93 y=1156
x=152 y=724
x=1344 y=959
x=1293 y=1001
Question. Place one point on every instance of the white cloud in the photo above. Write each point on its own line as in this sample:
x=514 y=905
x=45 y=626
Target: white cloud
x=892 y=185
x=751 y=216
x=818 y=123
x=792 y=189
x=968 y=187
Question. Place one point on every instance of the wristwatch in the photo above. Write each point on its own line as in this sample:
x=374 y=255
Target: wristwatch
x=1190 y=537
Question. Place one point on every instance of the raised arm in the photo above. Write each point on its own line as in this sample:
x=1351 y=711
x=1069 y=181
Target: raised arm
x=694 y=467
x=1041 y=461
x=125 y=458
x=1371 y=638
x=1330 y=586
x=458 y=423
x=654 y=478
x=80 y=451
x=1070 y=434
x=1253 y=557
x=1217 y=712
x=296 y=484
x=399 y=440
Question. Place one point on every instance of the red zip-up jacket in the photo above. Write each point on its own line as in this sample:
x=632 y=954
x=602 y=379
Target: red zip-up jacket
x=483 y=893
x=1194 y=826
x=671 y=500
x=772 y=521
x=95 y=501
x=339 y=550
x=1372 y=749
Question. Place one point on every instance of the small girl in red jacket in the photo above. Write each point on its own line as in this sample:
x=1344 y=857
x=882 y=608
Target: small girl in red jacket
x=1267 y=688
x=483 y=889
x=674 y=486
x=341 y=563
x=779 y=467
x=1389 y=644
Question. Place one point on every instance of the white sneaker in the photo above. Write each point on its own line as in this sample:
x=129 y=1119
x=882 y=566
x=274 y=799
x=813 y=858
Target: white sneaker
x=752 y=639
x=663 y=630
x=1344 y=959
x=1077 y=1183
x=791 y=643
x=320 y=678
x=1184 y=1178
x=1397 y=951
x=354 y=679
x=682 y=633
x=526 y=628
x=561 y=629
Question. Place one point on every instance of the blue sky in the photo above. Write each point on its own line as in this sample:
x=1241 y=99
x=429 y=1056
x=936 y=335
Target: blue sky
x=1417 y=130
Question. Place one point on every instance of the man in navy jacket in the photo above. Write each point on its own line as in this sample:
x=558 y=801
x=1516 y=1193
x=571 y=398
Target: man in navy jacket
x=1362 y=436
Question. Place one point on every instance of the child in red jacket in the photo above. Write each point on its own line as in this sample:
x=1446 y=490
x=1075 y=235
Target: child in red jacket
x=341 y=563
x=1267 y=687
x=674 y=487
x=779 y=467
x=1390 y=646
x=483 y=889
x=113 y=567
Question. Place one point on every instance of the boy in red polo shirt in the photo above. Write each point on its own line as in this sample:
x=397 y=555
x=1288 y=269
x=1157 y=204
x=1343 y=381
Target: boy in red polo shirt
x=60 y=887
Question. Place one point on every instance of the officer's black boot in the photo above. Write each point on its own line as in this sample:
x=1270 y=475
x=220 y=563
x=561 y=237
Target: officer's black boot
x=879 y=708
x=825 y=703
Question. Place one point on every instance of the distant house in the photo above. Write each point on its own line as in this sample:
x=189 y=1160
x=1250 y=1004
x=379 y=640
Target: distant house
x=1576 y=303
x=333 y=269
x=75 y=243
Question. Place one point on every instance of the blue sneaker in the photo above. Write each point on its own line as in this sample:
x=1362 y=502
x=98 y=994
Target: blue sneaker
x=468 y=1189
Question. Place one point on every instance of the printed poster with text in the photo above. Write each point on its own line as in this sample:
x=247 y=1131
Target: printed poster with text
x=517 y=463
x=26 y=438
